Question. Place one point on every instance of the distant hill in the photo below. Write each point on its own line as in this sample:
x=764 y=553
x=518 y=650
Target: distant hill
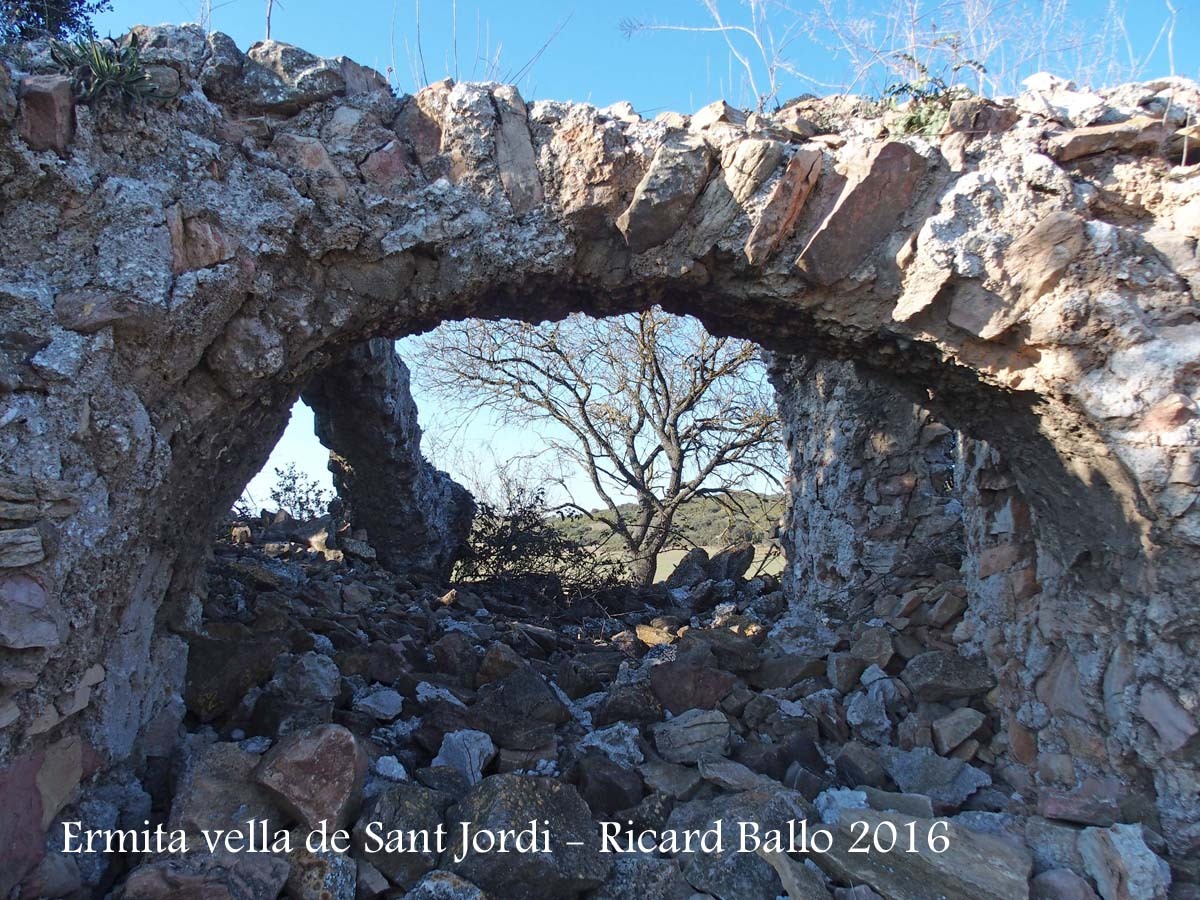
x=702 y=522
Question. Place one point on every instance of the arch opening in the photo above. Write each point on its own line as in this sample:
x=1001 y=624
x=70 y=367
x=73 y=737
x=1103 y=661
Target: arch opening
x=903 y=285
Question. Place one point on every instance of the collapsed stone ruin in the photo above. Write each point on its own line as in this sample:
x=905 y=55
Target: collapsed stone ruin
x=985 y=349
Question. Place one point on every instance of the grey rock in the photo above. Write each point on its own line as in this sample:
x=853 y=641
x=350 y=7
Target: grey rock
x=921 y=771
x=694 y=734
x=513 y=802
x=944 y=675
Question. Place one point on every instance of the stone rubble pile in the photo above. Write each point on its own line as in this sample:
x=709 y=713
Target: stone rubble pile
x=322 y=688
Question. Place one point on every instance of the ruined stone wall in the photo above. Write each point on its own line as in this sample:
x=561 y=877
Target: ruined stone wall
x=416 y=517
x=172 y=278
x=870 y=486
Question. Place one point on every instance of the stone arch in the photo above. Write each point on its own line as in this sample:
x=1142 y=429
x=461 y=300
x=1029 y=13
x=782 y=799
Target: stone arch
x=172 y=282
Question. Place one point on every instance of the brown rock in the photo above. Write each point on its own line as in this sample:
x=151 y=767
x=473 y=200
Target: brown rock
x=843 y=671
x=29 y=617
x=666 y=193
x=879 y=188
x=22 y=843
x=653 y=637
x=1094 y=802
x=196 y=242
x=316 y=774
x=782 y=209
x=217 y=790
x=47 y=116
x=221 y=670
x=512 y=802
x=1121 y=864
x=308 y=158
x=499 y=660
x=857 y=764
x=1140 y=133
x=694 y=734
x=951 y=730
x=681 y=686
x=515 y=156
x=89 y=311
x=1060 y=884
x=607 y=787
x=387 y=166
x=519 y=711
x=874 y=648
x=20 y=547
x=59 y=775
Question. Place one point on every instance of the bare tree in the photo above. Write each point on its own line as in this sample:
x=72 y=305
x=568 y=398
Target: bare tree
x=989 y=45
x=653 y=410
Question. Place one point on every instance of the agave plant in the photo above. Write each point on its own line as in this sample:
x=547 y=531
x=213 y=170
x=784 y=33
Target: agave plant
x=105 y=71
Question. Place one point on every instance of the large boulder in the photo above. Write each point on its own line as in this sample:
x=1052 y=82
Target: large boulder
x=510 y=803
x=407 y=808
x=317 y=775
x=965 y=864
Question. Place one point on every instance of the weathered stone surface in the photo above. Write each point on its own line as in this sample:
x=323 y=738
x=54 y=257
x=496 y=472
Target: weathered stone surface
x=971 y=865
x=20 y=547
x=921 y=771
x=1060 y=884
x=404 y=807
x=319 y=874
x=1176 y=727
x=519 y=711
x=467 y=752
x=1139 y=133
x=47 y=114
x=942 y=675
x=727 y=872
x=28 y=615
x=218 y=790
x=512 y=802
x=1121 y=864
x=783 y=207
x=692 y=735
x=666 y=193
x=415 y=515
x=515 y=155
x=681 y=686
x=229 y=877
x=441 y=885
x=316 y=774
x=1068 y=414
x=879 y=188
x=89 y=311
x=951 y=730
x=647 y=877
x=607 y=787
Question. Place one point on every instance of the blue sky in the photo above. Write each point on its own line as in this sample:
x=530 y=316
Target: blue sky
x=589 y=59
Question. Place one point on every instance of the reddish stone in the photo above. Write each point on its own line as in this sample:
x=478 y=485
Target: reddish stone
x=316 y=774
x=682 y=686
x=783 y=207
x=22 y=841
x=1169 y=413
x=47 y=120
x=387 y=166
x=879 y=189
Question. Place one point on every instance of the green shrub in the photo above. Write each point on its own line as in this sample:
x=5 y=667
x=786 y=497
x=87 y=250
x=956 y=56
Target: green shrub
x=522 y=540
x=301 y=496
x=105 y=72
